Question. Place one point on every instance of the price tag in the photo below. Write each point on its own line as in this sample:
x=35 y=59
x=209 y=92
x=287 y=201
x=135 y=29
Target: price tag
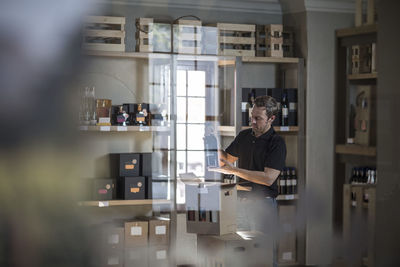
x=284 y=129
x=161 y=254
x=144 y=128
x=287 y=256
x=105 y=128
x=161 y=230
x=136 y=230
x=103 y=204
x=289 y=197
x=83 y=128
x=122 y=129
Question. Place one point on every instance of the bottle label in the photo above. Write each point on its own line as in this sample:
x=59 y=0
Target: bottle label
x=292 y=106
x=283 y=182
x=285 y=112
x=288 y=182
x=294 y=182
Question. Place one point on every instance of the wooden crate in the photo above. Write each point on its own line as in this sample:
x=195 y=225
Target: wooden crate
x=187 y=37
x=359 y=211
x=355 y=59
x=274 y=40
x=152 y=36
x=236 y=39
x=362 y=18
x=104 y=33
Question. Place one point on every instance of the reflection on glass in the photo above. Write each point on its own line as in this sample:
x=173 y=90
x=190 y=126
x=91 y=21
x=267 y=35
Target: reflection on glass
x=195 y=137
x=196 y=110
x=195 y=162
x=181 y=109
x=181 y=162
x=181 y=136
x=181 y=83
x=196 y=83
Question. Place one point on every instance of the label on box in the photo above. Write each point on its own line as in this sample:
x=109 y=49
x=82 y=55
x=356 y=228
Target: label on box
x=113 y=239
x=122 y=129
x=105 y=128
x=135 y=190
x=292 y=106
x=161 y=254
x=103 y=203
x=102 y=191
x=113 y=261
x=136 y=230
x=203 y=190
x=287 y=256
x=161 y=230
x=104 y=120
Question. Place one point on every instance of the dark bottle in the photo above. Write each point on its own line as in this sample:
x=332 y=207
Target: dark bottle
x=140 y=116
x=289 y=188
x=353 y=177
x=294 y=181
x=285 y=110
x=283 y=183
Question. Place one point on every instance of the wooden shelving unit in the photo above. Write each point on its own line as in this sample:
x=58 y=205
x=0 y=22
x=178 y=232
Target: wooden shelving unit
x=362 y=76
x=110 y=203
x=288 y=60
x=288 y=197
x=124 y=128
x=230 y=130
x=356 y=150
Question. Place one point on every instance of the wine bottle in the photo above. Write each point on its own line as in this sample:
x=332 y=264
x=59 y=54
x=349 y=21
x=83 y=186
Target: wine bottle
x=294 y=181
x=282 y=183
x=285 y=110
x=288 y=182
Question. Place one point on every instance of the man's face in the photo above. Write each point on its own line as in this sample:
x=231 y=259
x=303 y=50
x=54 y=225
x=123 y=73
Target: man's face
x=260 y=122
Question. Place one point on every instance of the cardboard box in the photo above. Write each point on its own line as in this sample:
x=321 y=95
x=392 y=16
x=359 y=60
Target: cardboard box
x=212 y=206
x=159 y=231
x=287 y=239
x=125 y=164
x=237 y=249
x=158 y=189
x=113 y=237
x=365 y=119
x=101 y=189
x=136 y=233
x=158 y=256
x=113 y=258
x=131 y=188
x=137 y=256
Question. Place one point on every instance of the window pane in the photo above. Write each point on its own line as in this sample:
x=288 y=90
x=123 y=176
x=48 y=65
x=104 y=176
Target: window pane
x=196 y=162
x=195 y=137
x=181 y=83
x=196 y=110
x=181 y=136
x=196 y=83
x=181 y=109
x=181 y=162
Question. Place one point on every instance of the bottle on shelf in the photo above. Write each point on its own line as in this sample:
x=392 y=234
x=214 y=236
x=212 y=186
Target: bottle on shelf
x=285 y=110
x=140 y=116
x=252 y=97
x=283 y=183
x=294 y=181
x=92 y=106
x=289 y=187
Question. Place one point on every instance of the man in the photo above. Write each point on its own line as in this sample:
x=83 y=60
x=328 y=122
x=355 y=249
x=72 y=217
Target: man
x=261 y=154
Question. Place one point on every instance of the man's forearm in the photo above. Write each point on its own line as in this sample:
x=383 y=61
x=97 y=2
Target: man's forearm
x=257 y=177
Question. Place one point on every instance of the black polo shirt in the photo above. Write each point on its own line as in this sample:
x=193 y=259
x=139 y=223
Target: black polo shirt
x=255 y=153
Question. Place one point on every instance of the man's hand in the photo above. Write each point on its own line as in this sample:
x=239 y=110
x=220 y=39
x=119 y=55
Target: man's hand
x=227 y=168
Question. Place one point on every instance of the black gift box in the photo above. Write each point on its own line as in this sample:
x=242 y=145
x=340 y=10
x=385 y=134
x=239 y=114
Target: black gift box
x=146 y=164
x=131 y=188
x=101 y=189
x=125 y=164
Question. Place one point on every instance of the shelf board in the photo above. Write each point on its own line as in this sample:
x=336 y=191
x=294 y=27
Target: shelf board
x=288 y=264
x=109 y=203
x=362 y=76
x=287 y=197
x=230 y=130
x=270 y=59
x=351 y=149
x=365 y=29
x=281 y=129
x=124 y=128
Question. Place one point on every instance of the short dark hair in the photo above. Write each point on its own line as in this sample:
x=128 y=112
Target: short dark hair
x=269 y=103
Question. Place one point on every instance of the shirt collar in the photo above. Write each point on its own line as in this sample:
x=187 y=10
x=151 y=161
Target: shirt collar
x=267 y=134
